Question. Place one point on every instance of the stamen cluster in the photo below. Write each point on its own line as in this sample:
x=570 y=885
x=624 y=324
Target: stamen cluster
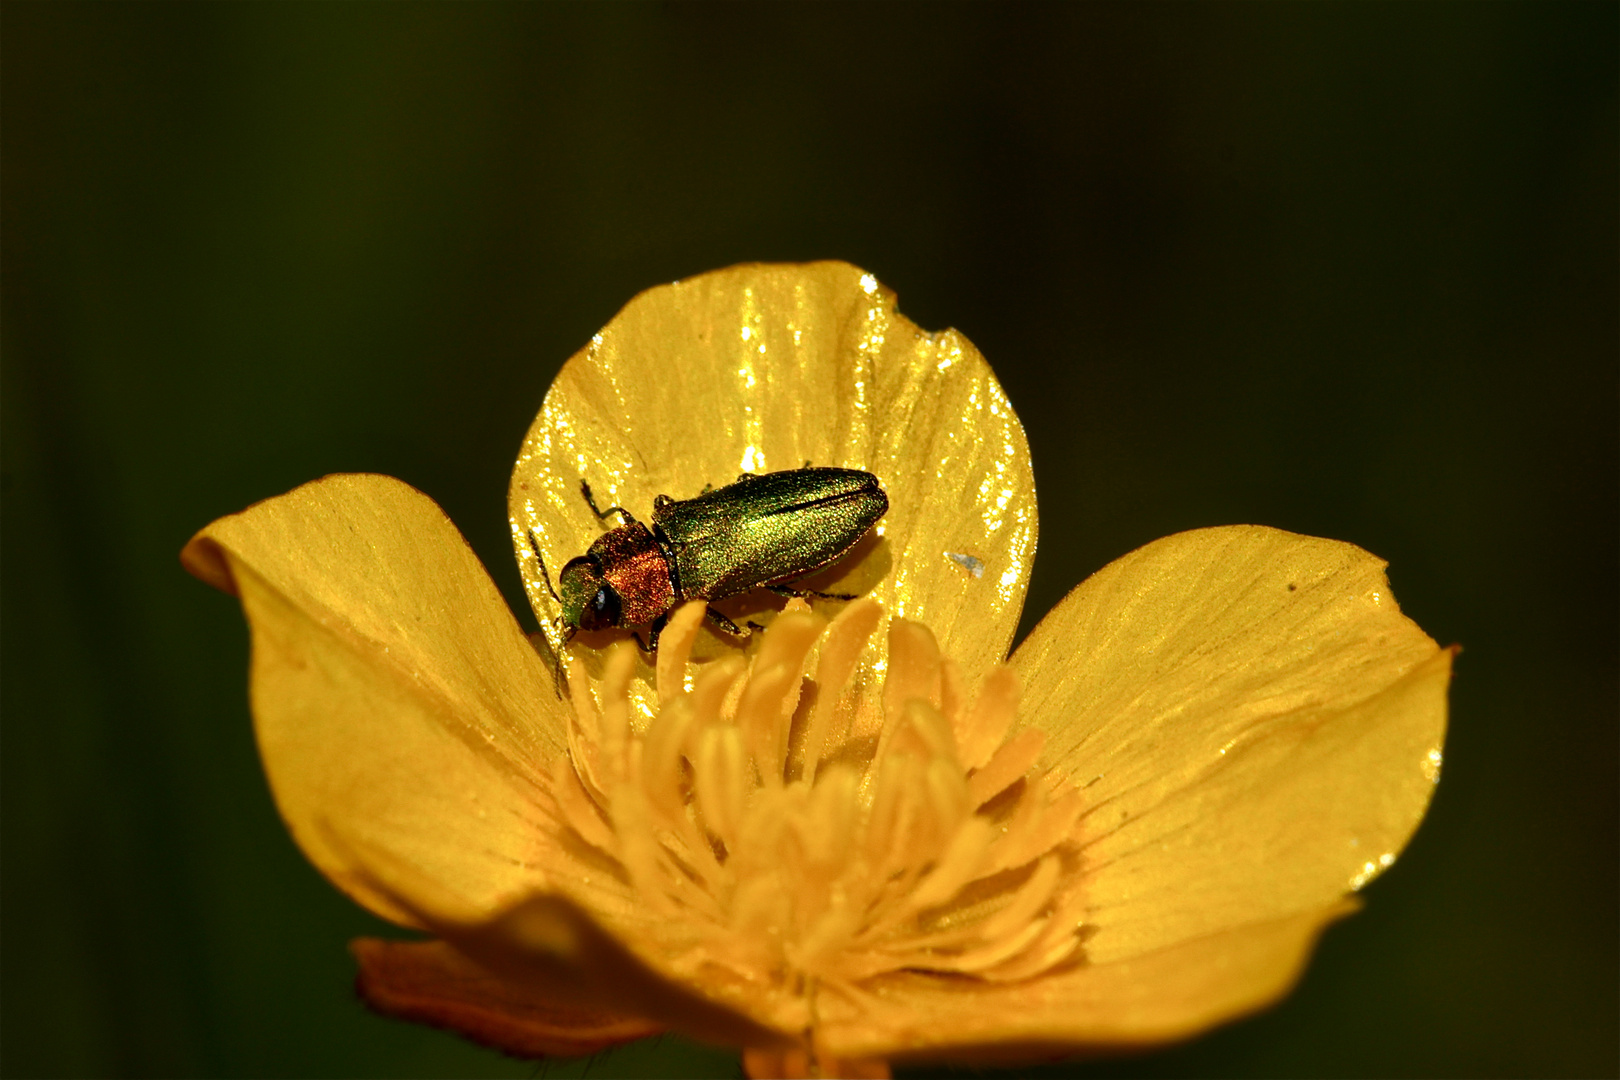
x=770 y=837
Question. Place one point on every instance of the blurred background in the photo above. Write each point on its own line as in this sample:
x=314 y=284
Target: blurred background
x=1347 y=270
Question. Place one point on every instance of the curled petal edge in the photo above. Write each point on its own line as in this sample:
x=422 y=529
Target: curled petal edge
x=547 y=947
x=431 y=983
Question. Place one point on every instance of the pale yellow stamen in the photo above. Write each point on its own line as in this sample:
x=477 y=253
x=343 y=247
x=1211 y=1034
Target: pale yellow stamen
x=768 y=839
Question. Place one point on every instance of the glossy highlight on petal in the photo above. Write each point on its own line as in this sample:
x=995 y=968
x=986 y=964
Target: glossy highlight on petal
x=763 y=368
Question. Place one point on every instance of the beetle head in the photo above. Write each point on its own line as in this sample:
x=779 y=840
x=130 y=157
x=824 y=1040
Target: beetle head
x=588 y=601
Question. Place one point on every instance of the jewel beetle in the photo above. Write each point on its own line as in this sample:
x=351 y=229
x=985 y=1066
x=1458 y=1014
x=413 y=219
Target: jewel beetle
x=765 y=530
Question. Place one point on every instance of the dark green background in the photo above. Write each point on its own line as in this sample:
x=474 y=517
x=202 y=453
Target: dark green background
x=1346 y=270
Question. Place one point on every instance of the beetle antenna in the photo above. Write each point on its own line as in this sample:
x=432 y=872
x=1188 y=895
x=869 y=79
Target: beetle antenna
x=567 y=634
x=601 y=515
x=544 y=574
x=562 y=631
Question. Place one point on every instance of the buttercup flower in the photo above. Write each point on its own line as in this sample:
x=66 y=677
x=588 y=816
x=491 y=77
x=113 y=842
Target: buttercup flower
x=858 y=837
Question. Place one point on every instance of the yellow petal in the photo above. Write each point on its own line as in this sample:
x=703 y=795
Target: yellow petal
x=761 y=368
x=396 y=702
x=1255 y=725
x=431 y=983
x=1155 y=997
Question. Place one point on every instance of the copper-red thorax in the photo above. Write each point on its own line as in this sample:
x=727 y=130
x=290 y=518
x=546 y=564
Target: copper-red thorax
x=637 y=568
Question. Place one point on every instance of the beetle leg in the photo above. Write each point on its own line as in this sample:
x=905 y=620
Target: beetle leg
x=601 y=515
x=535 y=547
x=651 y=644
x=567 y=633
x=792 y=593
x=726 y=624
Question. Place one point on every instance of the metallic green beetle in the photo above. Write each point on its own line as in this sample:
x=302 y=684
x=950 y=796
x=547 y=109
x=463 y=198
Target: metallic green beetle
x=763 y=531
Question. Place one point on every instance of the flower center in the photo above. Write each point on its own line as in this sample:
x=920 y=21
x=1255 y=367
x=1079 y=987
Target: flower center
x=771 y=831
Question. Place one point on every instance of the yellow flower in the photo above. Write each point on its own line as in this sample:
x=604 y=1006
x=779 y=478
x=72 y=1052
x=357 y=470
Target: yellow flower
x=846 y=844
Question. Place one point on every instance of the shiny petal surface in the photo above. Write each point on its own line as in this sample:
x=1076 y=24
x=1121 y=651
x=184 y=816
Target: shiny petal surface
x=1154 y=997
x=1256 y=726
x=762 y=368
x=396 y=702
x=431 y=983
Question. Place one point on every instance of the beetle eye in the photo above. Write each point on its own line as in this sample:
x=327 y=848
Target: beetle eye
x=603 y=612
